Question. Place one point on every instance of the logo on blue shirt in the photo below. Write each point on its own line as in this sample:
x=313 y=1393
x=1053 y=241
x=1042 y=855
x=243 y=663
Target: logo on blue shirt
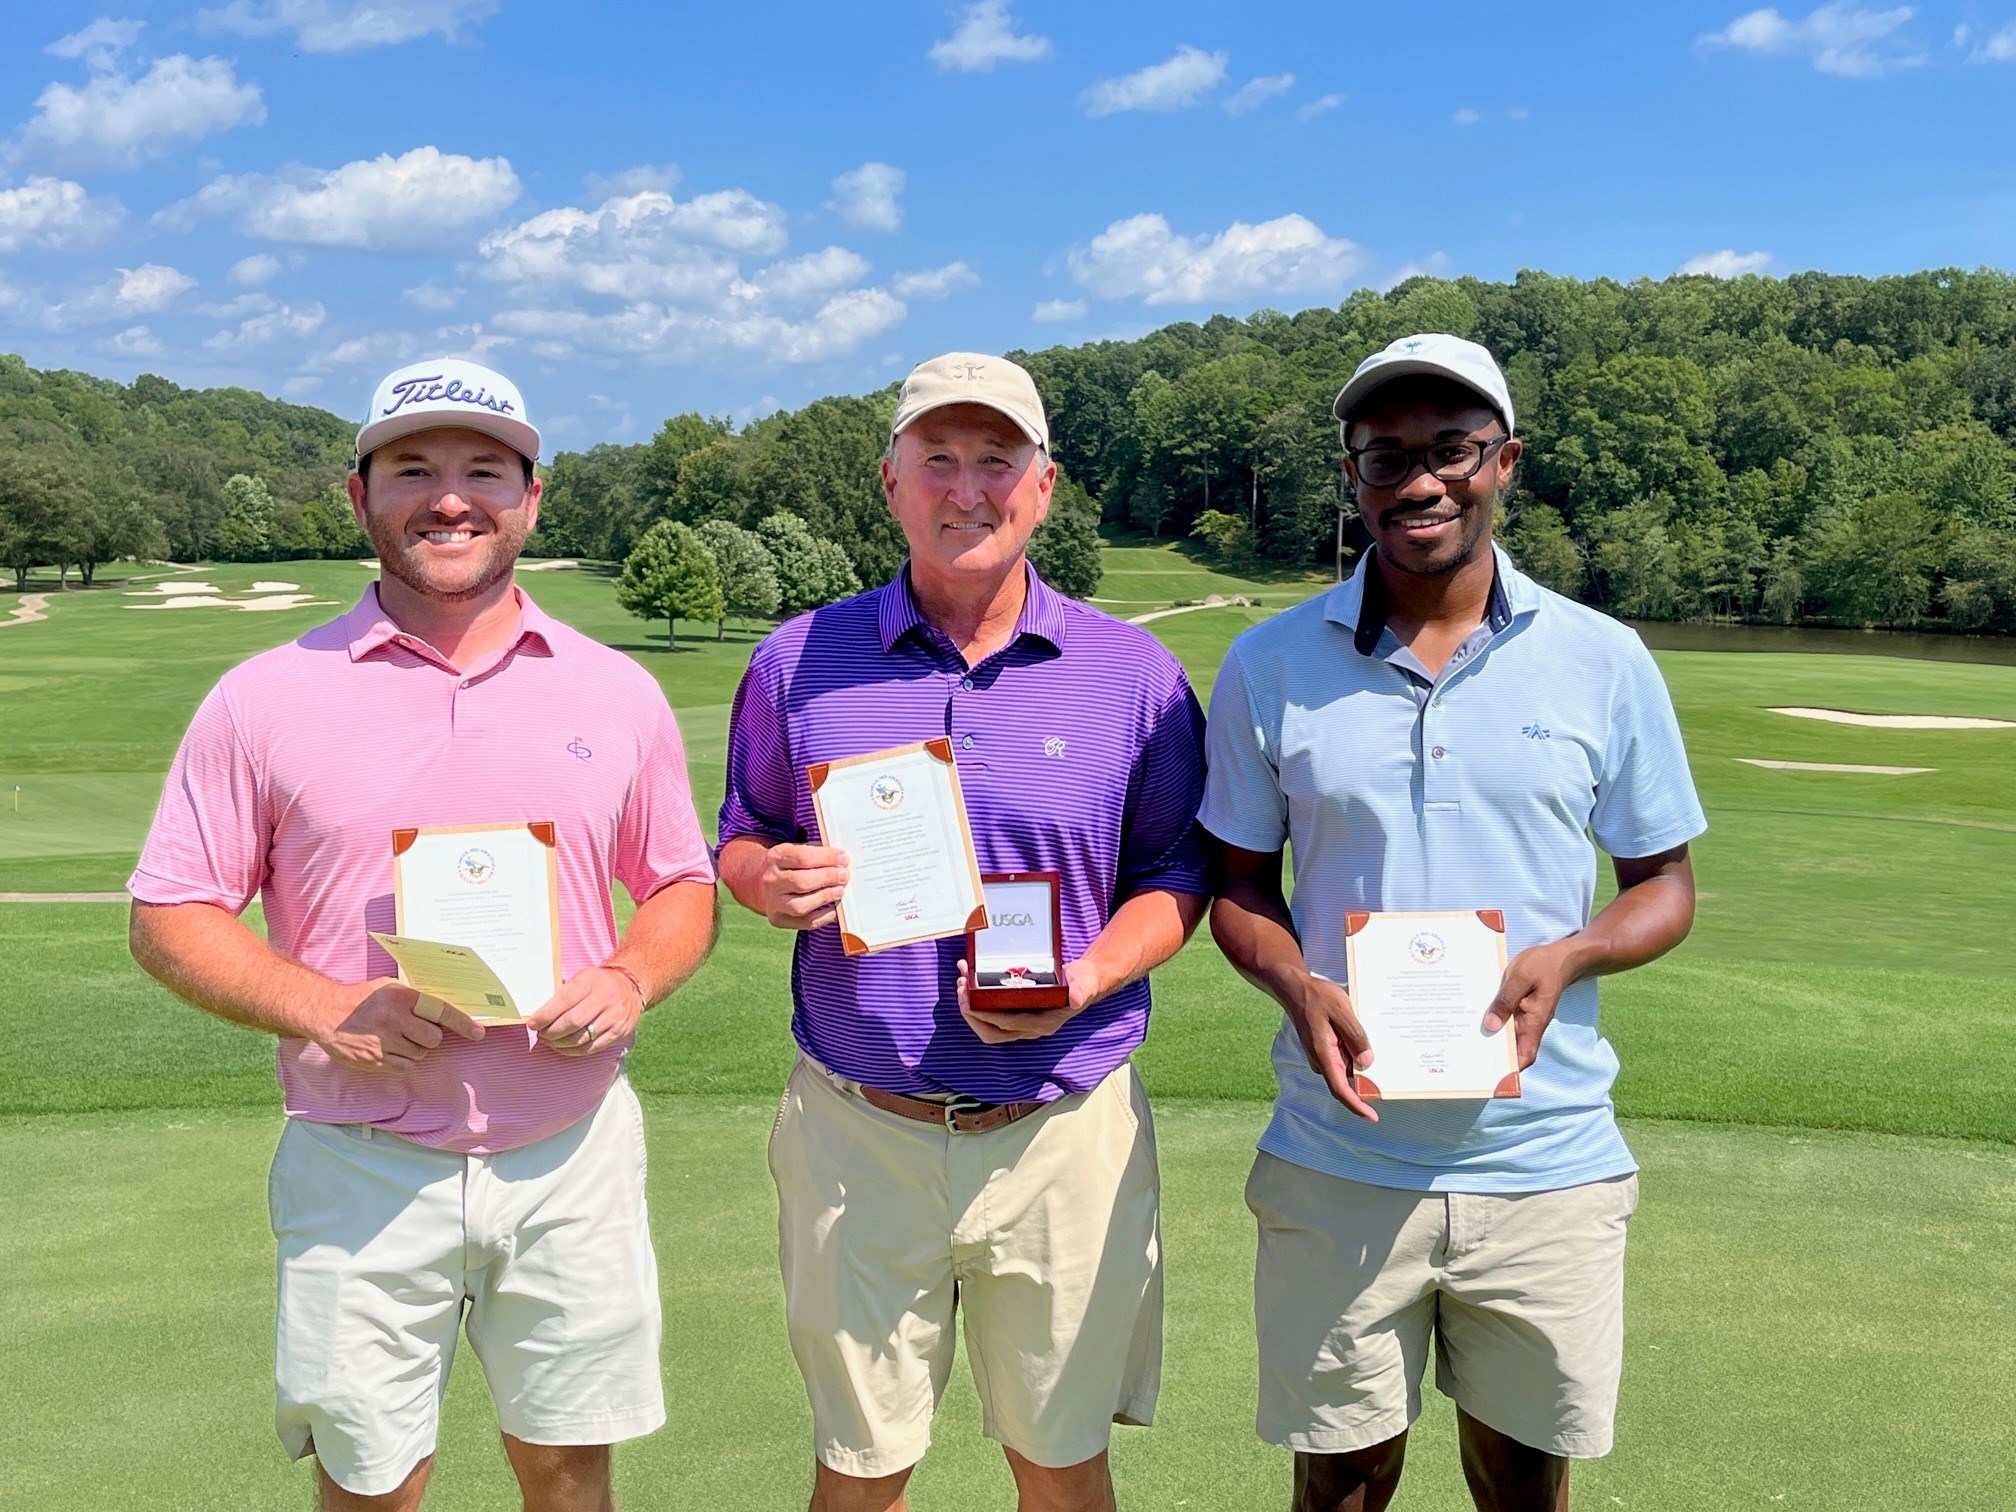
x=1537 y=731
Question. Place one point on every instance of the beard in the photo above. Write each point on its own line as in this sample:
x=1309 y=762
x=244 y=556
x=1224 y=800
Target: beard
x=1473 y=533
x=406 y=564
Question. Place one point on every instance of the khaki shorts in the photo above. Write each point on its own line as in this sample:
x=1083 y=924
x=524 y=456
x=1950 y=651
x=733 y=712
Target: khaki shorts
x=1522 y=1293
x=387 y=1246
x=1044 y=1234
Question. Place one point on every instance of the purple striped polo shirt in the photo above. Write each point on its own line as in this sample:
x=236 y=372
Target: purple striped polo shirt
x=1080 y=750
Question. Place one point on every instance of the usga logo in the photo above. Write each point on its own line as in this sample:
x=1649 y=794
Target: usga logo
x=1011 y=920
x=476 y=866
x=886 y=793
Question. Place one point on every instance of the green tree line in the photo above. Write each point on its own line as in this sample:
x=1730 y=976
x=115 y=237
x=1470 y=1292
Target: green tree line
x=1817 y=448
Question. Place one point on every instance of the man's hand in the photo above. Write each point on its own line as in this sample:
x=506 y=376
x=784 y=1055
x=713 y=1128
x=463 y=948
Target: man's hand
x=1082 y=985
x=800 y=884
x=1332 y=1039
x=592 y=1010
x=1529 y=995
x=390 y=1027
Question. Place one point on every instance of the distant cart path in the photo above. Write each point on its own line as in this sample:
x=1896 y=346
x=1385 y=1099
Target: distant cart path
x=1215 y=601
x=30 y=609
x=70 y=897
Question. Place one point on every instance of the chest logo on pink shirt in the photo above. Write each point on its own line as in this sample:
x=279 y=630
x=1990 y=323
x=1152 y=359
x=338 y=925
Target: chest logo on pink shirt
x=580 y=750
x=476 y=866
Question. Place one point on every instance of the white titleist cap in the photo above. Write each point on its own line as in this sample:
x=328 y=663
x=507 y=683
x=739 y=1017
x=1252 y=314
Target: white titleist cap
x=448 y=391
x=973 y=378
x=1451 y=357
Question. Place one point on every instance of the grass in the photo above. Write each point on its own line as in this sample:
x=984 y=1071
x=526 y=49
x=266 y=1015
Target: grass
x=1821 y=1085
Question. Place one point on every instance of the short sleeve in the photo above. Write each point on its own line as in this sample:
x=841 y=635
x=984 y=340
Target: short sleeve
x=761 y=795
x=1159 y=850
x=1243 y=801
x=658 y=838
x=1645 y=799
x=211 y=833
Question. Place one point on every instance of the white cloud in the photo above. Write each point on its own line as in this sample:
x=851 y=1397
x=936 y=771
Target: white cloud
x=934 y=283
x=1434 y=265
x=663 y=281
x=2000 y=47
x=1467 y=117
x=1315 y=108
x=335 y=26
x=1143 y=256
x=866 y=197
x=99 y=44
x=1727 y=263
x=382 y=204
x=1062 y=309
x=1850 y=41
x=259 y=268
x=151 y=287
x=303 y=383
x=433 y=296
x=54 y=214
x=145 y=290
x=1257 y=92
x=1173 y=84
x=118 y=121
x=134 y=341
x=1516 y=113
x=986 y=36
x=279 y=323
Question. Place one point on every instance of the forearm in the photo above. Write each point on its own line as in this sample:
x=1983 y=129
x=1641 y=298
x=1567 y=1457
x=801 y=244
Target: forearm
x=669 y=938
x=209 y=958
x=1646 y=919
x=740 y=864
x=1257 y=935
x=1143 y=932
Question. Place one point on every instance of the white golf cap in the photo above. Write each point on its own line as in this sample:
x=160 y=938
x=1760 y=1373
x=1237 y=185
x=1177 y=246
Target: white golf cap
x=448 y=391
x=1451 y=357
x=973 y=378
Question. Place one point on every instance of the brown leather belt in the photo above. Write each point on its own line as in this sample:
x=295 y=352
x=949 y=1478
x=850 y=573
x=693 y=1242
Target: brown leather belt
x=959 y=1120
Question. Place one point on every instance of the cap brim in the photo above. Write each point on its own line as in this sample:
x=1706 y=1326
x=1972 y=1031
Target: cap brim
x=904 y=422
x=516 y=434
x=1352 y=396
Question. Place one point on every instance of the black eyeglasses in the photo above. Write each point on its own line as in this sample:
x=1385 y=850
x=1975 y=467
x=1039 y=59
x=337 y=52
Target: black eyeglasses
x=1450 y=461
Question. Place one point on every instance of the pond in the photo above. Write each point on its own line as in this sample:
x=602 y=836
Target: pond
x=1992 y=649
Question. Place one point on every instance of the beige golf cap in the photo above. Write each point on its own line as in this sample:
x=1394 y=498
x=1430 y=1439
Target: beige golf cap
x=448 y=391
x=1451 y=357
x=973 y=378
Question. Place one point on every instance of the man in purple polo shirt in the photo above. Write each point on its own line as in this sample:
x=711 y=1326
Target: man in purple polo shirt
x=931 y=1159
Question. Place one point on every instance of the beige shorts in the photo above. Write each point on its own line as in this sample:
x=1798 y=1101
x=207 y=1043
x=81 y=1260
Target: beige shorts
x=387 y=1246
x=1044 y=1234
x=1523 y=1295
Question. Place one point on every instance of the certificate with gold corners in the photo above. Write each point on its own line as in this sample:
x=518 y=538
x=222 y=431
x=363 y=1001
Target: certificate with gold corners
x=1421 y=983
x=900 y=816
x=492 y=889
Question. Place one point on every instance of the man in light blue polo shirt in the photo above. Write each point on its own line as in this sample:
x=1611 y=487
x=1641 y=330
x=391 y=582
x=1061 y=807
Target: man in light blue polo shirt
x=1441 y=732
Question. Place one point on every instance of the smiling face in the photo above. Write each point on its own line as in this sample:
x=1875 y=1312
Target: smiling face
x=448 y=511
x=1426 y=525
x=968 y=488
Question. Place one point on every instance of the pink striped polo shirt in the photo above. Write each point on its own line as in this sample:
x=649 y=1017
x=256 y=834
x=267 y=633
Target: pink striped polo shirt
x=303 y=760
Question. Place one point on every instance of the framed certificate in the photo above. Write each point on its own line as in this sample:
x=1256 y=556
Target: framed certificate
x=1018 y=959
x=491 y=889
x=1421 y=983
x=900 y=816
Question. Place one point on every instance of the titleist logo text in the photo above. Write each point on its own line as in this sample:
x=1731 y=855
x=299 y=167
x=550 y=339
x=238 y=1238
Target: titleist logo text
x=430 y=389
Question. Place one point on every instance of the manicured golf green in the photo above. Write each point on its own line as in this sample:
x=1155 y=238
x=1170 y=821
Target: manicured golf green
x=1821 y=1086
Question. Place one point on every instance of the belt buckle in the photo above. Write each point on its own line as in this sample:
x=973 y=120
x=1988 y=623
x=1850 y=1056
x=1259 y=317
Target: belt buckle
x=957 y=1106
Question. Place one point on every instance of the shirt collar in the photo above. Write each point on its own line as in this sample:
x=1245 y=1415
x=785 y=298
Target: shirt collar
x=1043 y=612
x=1360 y=603
x=367 y=627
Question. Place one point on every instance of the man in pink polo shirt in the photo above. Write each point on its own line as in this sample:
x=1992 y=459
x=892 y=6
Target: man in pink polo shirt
x=430 y=1168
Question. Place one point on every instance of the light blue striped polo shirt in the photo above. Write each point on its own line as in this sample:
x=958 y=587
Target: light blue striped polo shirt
x=1479 y=789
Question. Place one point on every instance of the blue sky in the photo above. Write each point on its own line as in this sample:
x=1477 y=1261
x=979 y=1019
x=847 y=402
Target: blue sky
x=636 y=209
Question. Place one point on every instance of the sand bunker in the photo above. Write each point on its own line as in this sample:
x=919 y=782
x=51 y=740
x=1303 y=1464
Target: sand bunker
x=276 y=587
x=1831 y=766
x=560 y=565
x=1899 y=721
x=160 y=589
x=266 y=602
